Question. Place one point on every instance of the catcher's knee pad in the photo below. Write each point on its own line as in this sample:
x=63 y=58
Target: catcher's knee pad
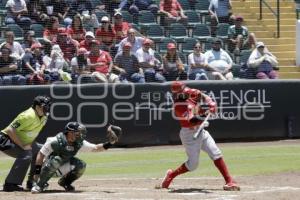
x=192 y=163
x=79 y=165
x=54 y=163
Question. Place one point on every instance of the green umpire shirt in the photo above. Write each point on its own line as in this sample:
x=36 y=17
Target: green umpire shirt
x=27 y=125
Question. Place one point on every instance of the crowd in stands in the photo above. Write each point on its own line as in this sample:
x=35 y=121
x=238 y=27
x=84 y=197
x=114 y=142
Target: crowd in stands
x=128 y=41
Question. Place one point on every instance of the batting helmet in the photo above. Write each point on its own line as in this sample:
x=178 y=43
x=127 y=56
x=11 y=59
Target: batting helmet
x=44 y=102
x=177 y=87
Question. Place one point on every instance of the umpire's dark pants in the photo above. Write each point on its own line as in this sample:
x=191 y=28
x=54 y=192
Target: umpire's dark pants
x=23 y=157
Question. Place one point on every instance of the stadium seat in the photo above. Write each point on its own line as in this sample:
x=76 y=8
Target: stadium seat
x=178 y=32
x=38 y=30
x=202 y=7
x=244 y=56
x=158 y=56
x=193 y=18
x=182 y=57
x=222 y=30
x=18 y=31
x=185 y=4
x=100 y=14
x=208 y=44
x=188 y=45
x=155 y=32
x=201 y=32
x=146 y=18
x=3 y=12
x=127 y=16
x=163 y=44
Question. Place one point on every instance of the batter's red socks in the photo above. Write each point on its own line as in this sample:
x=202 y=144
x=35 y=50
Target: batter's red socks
x=180 y=170
x=171 y=174
x=220 y=164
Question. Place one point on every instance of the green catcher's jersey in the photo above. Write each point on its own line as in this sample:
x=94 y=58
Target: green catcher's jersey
x=27 y=125
x=61 y=147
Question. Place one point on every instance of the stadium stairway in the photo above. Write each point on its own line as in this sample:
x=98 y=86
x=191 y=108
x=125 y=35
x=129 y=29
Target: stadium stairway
x=284 y=48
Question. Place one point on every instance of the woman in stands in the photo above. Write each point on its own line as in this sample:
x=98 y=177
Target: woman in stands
x=197 y=64
x=51 y=30
x=76 y=29
x=106 y=35
x=172 y=65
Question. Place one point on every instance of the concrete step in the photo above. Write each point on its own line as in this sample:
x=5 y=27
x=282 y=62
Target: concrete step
x=286 y=61
x=289 y=75
x=276 y=41
x=284 y=54
x=251 y=15
x=282 y=47
x=271 y=22
x=264 y=34
x=289 y=68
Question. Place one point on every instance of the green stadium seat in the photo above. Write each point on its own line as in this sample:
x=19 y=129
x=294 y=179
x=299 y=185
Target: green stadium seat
x=201 y=32
x=178 y=32
x=188 y=45
x=185 y=4
x=146 y=18
x=127 y=17
x=222 y=30
x=158 y=56
x=193 y=18
x=202 y=7
x=38 y=30
x=18 y=31
x=155 y=32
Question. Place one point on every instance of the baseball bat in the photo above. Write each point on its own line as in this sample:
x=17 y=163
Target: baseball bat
x=201 y=127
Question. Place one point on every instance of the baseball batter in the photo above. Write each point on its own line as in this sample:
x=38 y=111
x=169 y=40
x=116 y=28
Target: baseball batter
x=190 y=116
x=57 y=156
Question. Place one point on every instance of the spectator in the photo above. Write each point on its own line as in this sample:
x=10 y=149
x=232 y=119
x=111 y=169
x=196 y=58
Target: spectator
x=55 y=63
x=100 y=63
x=239 y=38
x=29 y=40
x=219 y=12
x=37 y=11
x=173 y=12
x=172 y=65
x=135 y=6
x=80 y=67
x=106 y=34
x=219 y=62
x=67 y=44
x=150 y=65
x=9 y=69
x=120 y=27
x=136 y=42
x=15 y=47
x=76 y=30
x=111 y=5
x=51 y=30
x=87 y=43
x=17 y=13
x=33 y=66
x=81 y=7
x=128 y=66
x=264 y=62
x=59 y=9
x=197 y=64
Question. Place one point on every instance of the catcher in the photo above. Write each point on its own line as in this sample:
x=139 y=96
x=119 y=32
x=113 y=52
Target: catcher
x=57 y=156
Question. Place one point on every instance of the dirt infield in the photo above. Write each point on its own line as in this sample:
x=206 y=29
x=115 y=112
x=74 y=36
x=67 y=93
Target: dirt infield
x=280 y=186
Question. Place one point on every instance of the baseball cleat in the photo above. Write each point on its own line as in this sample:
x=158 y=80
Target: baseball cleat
x=167 y=179
x=231 y=186
x=36 y=189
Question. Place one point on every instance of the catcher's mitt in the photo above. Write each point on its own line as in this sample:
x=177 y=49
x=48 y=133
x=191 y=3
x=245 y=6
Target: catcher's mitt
x=114 y=133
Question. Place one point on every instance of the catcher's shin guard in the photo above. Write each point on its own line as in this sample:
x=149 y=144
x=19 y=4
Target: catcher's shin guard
x=48 y=170
x=73 y=175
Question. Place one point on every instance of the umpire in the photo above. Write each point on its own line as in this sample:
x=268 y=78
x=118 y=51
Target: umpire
x=18 y=140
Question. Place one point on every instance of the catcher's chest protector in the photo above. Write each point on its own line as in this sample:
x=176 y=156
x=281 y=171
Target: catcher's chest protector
x=63 y=149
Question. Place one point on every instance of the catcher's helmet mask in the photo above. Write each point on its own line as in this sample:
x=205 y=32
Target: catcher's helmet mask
x=77 y=128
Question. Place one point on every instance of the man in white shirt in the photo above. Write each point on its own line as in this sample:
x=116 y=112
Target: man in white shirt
x=219 y=62
x=149 y=63
x=16 y=13
x=135 y=41
x=15 y=47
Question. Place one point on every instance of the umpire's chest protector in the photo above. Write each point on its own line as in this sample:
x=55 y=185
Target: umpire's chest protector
x=63 y=149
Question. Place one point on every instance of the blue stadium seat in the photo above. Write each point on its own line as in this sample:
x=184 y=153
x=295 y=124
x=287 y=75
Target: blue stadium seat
x=155 y=32
x=201 y=32
x=178 y=32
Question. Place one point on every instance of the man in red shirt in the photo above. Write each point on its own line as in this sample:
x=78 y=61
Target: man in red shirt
x=87 y=42
x=173 y=12
x=191 y=115
x=100 y=63
x=67 y=44
x=120 y=27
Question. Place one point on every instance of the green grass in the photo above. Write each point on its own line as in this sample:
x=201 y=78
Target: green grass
x=242 y=160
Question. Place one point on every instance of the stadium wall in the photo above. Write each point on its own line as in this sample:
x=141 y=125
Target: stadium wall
x=247 y=109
